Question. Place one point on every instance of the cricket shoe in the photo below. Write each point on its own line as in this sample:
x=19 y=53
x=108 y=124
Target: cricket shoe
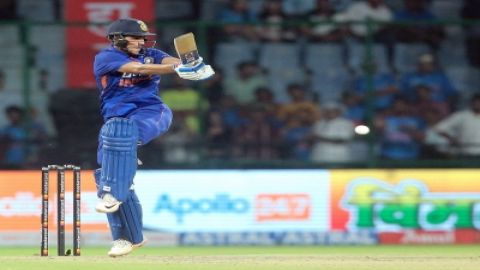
x=141 y=244
x=121 y=247
x=108 y=204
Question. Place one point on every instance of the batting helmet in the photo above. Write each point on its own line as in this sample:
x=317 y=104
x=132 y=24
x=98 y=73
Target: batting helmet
x=120 y=28
x=128 y=27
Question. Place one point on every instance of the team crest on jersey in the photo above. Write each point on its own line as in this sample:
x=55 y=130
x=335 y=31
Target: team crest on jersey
x=143 y=26
x=148 y=60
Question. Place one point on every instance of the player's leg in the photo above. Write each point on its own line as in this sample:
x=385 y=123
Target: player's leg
x=130 y=213
x=118 y=141
x=152 y=122
x=126 y=226
x=114 y=221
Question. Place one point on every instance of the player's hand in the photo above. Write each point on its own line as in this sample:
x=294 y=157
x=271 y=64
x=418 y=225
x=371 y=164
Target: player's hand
x=196 y=71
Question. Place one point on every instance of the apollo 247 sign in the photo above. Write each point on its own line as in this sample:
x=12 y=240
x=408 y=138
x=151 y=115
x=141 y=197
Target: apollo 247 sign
x=235 y=200
x=385 y=207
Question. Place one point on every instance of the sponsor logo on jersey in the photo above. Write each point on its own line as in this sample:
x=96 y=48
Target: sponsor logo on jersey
x=131 y=79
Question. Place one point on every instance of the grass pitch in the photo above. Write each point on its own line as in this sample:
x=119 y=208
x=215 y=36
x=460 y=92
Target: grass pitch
x=261 y=258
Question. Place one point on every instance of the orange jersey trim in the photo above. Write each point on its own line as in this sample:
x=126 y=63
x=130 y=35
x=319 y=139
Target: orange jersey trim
x=104 y=81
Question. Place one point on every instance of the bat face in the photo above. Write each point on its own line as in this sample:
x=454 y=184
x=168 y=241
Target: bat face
x=186 y=48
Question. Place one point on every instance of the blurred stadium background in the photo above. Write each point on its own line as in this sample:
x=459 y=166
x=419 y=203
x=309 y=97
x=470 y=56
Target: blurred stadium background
x=328 y=121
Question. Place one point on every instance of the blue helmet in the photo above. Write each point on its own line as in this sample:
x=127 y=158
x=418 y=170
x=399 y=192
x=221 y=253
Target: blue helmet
x=128 y=27
x=120 y=28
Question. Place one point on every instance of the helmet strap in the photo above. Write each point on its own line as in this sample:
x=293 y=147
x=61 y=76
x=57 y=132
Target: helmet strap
x=120 y=42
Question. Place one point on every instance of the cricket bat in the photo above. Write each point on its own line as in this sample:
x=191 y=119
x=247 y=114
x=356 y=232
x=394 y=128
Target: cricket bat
x=186 y=48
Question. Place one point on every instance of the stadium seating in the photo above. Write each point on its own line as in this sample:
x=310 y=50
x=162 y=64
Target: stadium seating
x=279 y=79
x=446 y=9
x=35 y=10
x=323 y=56
x=228 y=55
x=406 y=55
x=357 y=53
x=211 y=8
x=10 y=35
x=48 y=38
x=49 y=43
x=176 y=9
x=279 y=55
x=452 y=54
x=330 y=83
x=465 y=79
x=13 y=79
x=12 y=56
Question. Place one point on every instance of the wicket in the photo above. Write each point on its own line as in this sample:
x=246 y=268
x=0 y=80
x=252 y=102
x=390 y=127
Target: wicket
x=61 y=209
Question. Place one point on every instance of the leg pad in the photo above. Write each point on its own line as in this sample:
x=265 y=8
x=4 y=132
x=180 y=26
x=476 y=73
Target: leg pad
x=119 y=137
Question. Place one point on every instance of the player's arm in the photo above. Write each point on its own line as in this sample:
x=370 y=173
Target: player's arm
x=167 y=66
x=171 y=60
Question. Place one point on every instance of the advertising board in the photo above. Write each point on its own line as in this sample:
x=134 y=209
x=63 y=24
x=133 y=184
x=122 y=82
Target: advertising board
x=235 y=200
x=408 y=206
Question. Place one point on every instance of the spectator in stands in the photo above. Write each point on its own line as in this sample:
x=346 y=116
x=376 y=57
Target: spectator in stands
x=462 y=129
x=331 y=135
x=470 y=11
x=258 y=136
x=415 y=12
x=429 y=74
x=299 y=106
x=248 y=79
x=238 y=12
x=294 y=138
x=218 y=136
x=14 y=139
x=321 y=31
x=37 y=135
x=424 y=103
x=213 y=88
x=273 y=16
x=354 y=108
x=434 y=145
x=367 y=9
x=186 y=101
x=401 y=132
x=264 y=98
x=384 y=85
x=178 y=144
x=230 y=112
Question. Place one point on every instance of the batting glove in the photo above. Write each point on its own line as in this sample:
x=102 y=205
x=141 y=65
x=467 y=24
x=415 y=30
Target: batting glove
x=196 y=71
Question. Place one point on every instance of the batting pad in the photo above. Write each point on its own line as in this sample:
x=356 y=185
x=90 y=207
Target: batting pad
x=130 y=213
x=126 y=223
x=119 y=138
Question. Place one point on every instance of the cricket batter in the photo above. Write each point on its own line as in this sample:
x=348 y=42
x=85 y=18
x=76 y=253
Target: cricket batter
x=128 y=74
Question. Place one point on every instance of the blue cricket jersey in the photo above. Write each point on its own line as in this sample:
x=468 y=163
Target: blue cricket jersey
x=121 y=93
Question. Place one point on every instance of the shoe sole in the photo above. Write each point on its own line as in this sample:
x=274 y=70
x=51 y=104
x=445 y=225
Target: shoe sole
x=141 y=244
x=120 y=255
x=134 y=246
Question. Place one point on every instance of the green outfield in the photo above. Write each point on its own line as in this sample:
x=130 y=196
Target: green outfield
x=262 y=258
